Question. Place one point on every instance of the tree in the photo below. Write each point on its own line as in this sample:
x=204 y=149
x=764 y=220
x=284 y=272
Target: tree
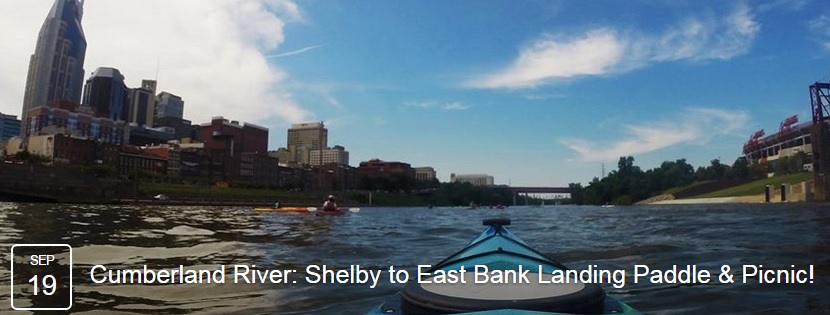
x=717 y=170
x=577 y=193
x=740 y=168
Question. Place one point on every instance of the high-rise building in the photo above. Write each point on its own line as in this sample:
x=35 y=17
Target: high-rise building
x=304 y=138
x=169 y=105
x=56 y=69
x=106 y=93
x=143 y=104
x=9 y=126
x=337 y=155
x=475 y=179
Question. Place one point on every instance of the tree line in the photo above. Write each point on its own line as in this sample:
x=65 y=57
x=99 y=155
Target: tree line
x=629 y=183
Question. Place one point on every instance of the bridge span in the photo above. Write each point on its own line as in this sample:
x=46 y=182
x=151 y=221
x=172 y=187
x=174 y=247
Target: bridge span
x=540 y=190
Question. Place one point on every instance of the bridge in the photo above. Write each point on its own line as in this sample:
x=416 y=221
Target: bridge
x=540 y=190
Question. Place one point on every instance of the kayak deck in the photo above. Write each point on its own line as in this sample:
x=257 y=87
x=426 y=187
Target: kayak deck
x=497 y=249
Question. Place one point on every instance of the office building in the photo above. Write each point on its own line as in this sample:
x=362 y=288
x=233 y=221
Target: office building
x=225 y=141
x=107 y=95
x=63 y=117
x=9 y=126
x=142 y=109
x=169 y=105
x=379 y=168
x=56 y=69
x=475 y=179
x=303 y=139
x=337 y=155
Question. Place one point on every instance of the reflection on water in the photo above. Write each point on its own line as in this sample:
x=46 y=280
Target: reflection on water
x=128 y=237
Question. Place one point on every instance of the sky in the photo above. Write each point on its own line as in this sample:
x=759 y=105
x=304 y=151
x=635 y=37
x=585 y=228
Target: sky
x=533 y=93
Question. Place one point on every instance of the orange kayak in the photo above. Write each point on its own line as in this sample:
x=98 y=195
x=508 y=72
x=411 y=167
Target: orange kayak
x=286 y=209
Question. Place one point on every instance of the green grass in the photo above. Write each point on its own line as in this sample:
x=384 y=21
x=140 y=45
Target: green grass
x=757 y=187
x=675 y=190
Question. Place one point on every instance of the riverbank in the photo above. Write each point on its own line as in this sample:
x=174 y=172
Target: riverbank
x=798 y=192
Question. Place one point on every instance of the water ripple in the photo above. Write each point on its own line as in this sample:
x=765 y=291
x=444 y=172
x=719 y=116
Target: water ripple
x=129 y=236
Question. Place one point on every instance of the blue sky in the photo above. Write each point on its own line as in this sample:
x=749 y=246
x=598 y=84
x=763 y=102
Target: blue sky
x=537 y=93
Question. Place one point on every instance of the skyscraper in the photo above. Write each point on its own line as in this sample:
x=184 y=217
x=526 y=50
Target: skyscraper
x=169 y=105
x=56 y=69
x=107 y=94
x=304 y=138
x=143 y=103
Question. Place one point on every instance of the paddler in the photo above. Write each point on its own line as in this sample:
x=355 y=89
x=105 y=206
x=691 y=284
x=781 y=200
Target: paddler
x=329 y=204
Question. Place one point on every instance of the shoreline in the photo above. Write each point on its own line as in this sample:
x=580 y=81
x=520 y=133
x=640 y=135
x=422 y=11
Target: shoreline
x=721 y=200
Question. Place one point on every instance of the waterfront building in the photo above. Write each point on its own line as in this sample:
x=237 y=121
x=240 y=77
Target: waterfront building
x=169 y=152
x=63 y=117
x=107 y=95
x=425 y=173
x=259 y=170
x=182 y=128
x=142 y=106
x=9 y=126
x=56 y=70
x=378 y=168
x=337 y=155
x=131 y=164
x=225 y=141
x=304 y=138
x=66 y=149
x=474 y=179
x=145 y=136
x=169 y=105
x=337 y=177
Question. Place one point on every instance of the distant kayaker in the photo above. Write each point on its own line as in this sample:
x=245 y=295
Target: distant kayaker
x=330 y=205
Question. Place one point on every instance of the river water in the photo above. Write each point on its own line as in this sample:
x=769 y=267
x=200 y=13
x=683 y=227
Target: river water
x=777 y=236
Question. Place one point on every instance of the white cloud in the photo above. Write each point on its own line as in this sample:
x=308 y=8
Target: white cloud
x=211 y=53
x=821 y=27
x=422 y=104
x=606 y=51
x=695 y=126
x=452 y=106
x=294 y=52
x=792 y=5
x=552 y=58
x=456 y=106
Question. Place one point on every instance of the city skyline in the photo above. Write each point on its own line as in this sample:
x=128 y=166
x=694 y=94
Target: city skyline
x=534 y=93
x=56 y=65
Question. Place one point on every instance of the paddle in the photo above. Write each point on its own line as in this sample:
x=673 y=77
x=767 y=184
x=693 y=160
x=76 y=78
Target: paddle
x=352 y=210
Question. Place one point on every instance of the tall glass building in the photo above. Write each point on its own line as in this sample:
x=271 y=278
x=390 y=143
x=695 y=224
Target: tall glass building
x=9 y=126
x=106 y=93
x=56 y=69
x=169 y=105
